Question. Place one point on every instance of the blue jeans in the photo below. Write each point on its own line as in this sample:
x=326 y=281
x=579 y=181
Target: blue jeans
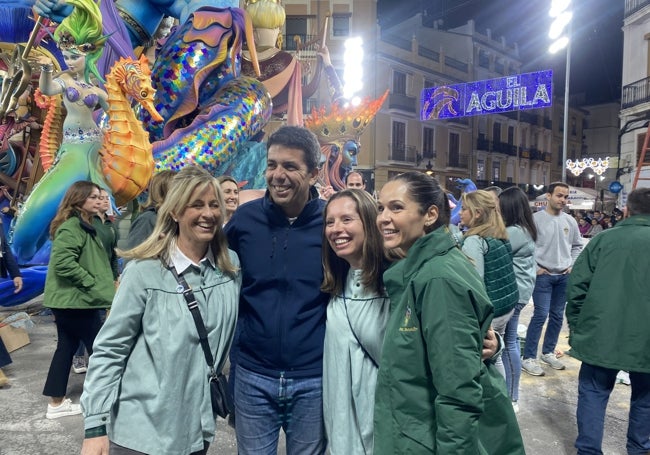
x=549 y=299
x=264 y=404
x=512 y=354
x=595 y=384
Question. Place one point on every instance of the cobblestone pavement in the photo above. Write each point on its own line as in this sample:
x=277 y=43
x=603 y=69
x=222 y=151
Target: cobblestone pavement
x=546 y=417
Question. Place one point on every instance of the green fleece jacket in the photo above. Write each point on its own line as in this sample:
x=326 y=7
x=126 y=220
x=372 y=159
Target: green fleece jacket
x=608 y=297
x=79 y=275
x=434 y=394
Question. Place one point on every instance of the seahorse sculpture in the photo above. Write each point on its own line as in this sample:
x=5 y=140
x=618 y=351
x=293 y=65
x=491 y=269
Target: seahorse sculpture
x=122 y=163
x=52 y=133
x=126 y=158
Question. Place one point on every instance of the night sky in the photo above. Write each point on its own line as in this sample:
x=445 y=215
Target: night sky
x=597 y=44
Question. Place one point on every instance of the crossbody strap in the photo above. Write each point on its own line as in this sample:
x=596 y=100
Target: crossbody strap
x=363 y=348
x=193 y=306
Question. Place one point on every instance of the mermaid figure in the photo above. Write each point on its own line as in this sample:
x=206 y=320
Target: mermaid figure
x=80 y=39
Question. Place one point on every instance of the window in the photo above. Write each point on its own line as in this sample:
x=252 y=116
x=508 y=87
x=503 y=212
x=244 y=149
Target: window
x=574 y=126
x=559 y=156
x=496 y=171
x=429 y=84
x=454 y=150
x=399 y=83
x=511 y=135
x=500 y=67
x=341 y=25
x=483 y=59
x=296 y=26
x=398 y=141
x=496 y=132
x=428 y=145
x=480 y=169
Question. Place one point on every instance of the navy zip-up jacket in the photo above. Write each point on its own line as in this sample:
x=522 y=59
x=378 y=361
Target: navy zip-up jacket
x=281 y=308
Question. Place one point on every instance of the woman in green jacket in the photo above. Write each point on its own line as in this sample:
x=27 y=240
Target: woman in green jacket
x=79 y=283
x=434 y=393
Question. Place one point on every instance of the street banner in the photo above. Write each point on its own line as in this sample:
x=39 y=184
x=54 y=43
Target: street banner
x=490 y=96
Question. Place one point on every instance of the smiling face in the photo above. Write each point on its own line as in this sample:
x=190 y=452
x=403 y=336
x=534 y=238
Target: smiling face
x=230 y=196
x=400 y=219
x=199 y=220
x=344 y=231
x=288 y=178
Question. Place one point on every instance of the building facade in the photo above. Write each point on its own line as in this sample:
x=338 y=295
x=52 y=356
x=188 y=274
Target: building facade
x=635 y=102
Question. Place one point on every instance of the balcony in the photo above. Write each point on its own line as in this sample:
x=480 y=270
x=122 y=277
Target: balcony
x=482 y=144
x=402 y=103
x=632 y=6
x=636 y=93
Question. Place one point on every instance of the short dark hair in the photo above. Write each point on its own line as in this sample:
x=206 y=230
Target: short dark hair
x=363 y=179
x=297 y=137
x=426 y=191
x=638 y=202
x=494 y=189
x=552 y=186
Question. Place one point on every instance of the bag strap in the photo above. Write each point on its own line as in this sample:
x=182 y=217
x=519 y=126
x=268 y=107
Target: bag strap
x=193 y=306
x=363 y=348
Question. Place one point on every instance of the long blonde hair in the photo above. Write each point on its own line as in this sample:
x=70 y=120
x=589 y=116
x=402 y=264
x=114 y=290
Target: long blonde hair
x=72 y=204
x=486 y=219
x=183 y=185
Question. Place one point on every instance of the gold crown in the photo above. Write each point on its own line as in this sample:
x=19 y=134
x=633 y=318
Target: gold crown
x=343 y=122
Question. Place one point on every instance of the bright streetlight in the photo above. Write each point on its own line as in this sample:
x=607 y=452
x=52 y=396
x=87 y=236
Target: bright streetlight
x=560 y=33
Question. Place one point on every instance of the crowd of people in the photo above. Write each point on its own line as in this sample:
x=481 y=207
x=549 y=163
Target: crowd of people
x=593 y=222
x=354 y=324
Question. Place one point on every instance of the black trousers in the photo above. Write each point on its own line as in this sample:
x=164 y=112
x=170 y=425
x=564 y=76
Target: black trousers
x=72 y=326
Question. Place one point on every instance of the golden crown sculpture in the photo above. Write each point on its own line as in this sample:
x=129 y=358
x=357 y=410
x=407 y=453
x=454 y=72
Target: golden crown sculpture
x=343 y=122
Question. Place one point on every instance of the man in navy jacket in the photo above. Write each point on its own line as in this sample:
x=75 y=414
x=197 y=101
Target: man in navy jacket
x=282 y=311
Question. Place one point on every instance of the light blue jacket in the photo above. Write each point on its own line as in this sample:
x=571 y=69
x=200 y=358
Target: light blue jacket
x=523 y=260
x=148 y=379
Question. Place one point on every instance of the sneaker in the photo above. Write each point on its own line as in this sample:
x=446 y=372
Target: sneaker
x=531 y=366
x=623 y=377
x=515 y=407
x=552 y=361
x=4 y=380
x=79 y=364
x=63 y=410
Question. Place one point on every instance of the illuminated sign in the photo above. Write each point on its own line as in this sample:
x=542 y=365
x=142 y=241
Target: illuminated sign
x=578 y=166
x=510 y=93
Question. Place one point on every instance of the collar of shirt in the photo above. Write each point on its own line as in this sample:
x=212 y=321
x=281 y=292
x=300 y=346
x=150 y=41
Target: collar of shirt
x=182 y=262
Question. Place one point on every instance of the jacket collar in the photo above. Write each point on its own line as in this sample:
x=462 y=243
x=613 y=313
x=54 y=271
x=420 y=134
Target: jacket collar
x=89 y=228
x=435 y=243
x=635 y=220
x=313 y=206
x=182 y=262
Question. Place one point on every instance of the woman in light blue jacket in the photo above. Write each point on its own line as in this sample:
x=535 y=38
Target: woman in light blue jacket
x=522 y=234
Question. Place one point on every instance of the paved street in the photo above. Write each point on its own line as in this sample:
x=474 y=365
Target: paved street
x=546 y=417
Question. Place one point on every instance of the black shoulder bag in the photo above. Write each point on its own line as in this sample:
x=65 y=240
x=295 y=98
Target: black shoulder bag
x=222 y=404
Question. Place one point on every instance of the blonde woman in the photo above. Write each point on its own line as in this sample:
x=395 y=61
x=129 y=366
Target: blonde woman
x=486 y=244
x=147 y=383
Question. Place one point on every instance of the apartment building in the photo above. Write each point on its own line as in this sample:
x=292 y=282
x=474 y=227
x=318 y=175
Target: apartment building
x=635 y=101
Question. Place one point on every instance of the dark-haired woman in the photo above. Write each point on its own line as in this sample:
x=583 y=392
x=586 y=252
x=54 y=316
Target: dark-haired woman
x=79 y=283
x=522 y=234
x=353 y=264
x=434 y=394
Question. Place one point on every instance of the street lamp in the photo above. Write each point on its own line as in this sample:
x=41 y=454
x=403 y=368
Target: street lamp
x=560 y=33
